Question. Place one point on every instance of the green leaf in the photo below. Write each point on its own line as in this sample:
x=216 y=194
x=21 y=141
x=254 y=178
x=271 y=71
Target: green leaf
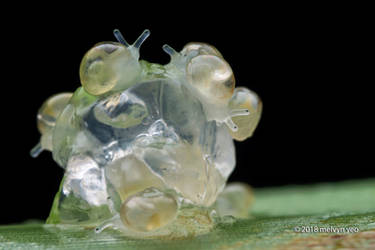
x=275 y=215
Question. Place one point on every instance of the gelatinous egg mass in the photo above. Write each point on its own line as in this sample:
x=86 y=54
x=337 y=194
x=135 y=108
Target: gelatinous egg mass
x=212 y=76
x=244 y=98
x=106 y=66
x=147 y=148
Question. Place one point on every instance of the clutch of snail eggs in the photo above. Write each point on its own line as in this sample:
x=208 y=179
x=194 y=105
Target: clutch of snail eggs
x=148 y=148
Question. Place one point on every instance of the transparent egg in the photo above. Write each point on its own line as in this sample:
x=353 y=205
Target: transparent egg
x=129 y=175
x=117 y=111
x=50 y=110
x=212 y=76
x=148 y=210
x=244 y=98
x=107 y=66
x=202 y=48
x=235 y=200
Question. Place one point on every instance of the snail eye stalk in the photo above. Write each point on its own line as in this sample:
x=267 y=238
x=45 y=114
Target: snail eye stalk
x=120 y=38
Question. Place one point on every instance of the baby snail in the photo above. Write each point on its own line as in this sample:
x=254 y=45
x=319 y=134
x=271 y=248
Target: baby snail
x=46 y=120
x=213 y=79
x=209 y=72
x=111 y=65
x=143 y=208
x=244 y=99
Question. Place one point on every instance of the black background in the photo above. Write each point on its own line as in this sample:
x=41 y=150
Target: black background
x=304 y=65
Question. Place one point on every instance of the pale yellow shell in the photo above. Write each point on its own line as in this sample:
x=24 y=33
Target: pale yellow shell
x=201 y=48
x=50 y=110
x=212 y=76
x=106 y=66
